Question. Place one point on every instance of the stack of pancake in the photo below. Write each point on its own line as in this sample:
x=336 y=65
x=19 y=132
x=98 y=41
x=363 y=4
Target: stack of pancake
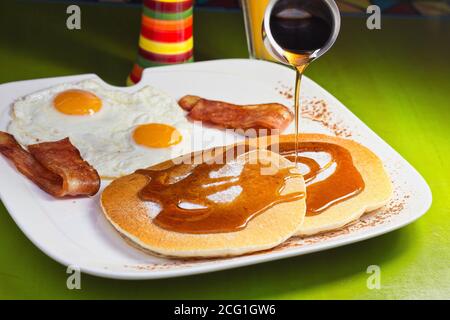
x=253 y=201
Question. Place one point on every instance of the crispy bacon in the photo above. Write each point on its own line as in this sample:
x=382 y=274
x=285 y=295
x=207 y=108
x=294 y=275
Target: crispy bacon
x=56 y=167
x=268 y=116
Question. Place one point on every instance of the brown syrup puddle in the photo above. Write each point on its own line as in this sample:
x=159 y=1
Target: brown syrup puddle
x=172 y=186
x=223 y=202
x=345 y=182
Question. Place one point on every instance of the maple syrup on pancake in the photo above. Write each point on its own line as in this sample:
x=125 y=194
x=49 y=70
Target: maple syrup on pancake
x=194 y=199
x=172 y=185
x=301 y=28
x=343 y=183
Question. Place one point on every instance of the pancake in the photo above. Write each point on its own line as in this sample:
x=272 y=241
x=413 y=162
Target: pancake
x=133 y=218
x=376 y=192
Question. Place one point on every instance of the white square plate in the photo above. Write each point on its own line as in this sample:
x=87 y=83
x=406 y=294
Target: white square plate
x=75 y=232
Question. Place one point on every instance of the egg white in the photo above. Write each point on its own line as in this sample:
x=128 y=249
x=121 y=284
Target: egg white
x=104 y=138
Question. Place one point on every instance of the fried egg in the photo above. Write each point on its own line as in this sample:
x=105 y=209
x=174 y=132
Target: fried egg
x=117 y=132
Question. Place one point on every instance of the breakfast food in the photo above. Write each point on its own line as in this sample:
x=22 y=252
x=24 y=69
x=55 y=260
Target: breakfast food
x=271 y=116
x=343 y=179
x=208 y=209
x=227 y=201
x=56 y=167
x=117 y=132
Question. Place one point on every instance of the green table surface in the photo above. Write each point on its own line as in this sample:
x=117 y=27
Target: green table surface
x=395 y=79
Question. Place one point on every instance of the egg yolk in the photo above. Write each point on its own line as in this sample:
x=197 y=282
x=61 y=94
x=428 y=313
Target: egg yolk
x=156 y=135
x=77 y=102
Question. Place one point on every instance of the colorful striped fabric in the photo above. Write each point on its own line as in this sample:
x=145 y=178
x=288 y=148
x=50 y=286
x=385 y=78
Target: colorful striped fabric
x=166 y=35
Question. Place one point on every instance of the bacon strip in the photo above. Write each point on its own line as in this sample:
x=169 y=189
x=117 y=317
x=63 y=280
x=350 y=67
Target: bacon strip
x=226 y=115
x=56 y=167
